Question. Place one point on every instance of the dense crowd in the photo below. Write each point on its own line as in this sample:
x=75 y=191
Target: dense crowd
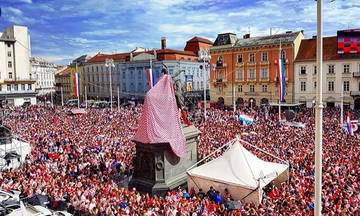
x=79 y=159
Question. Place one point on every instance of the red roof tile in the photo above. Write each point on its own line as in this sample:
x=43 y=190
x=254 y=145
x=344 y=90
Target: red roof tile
x=174 y=51
x=307 y=50
x=100 y=57
x=199 y=39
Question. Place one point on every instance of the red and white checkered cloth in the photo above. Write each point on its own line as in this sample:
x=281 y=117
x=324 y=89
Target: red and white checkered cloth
x=160 y=120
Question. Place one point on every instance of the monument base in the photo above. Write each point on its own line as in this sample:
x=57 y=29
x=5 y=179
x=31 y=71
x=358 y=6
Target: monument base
x=158 y=170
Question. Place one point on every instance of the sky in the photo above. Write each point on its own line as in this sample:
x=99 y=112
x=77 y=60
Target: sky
x=62 y=30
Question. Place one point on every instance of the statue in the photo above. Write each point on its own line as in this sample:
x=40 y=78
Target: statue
x=179 y=93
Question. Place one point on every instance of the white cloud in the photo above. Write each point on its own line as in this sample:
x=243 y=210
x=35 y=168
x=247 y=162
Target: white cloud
x=105 y=32
x=25 y=1
x=15 y=11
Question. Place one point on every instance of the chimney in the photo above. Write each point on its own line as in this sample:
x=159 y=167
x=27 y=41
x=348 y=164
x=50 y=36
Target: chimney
x=163 y=43
x=246 y=36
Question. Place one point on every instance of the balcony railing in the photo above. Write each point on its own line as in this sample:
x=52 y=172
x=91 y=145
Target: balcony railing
x=356 y=74
x=355 y=93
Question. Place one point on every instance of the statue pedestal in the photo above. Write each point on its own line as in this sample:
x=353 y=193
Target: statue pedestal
x=158 y=169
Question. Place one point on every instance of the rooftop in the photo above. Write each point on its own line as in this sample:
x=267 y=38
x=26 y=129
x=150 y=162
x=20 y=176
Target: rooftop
x=307 y=50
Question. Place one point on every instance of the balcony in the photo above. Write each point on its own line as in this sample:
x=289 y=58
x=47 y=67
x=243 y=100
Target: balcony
x=354 y=93
x=356 y=74
x=19 y=81
x=252 y=93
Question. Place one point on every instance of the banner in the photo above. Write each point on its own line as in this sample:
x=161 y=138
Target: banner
x=189 y=82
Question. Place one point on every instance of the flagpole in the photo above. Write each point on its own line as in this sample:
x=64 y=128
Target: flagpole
x=77 y=90
x=118 y=94
x=342 y=107
x=62 y=96
x=279 y=83
x=319 y=111
x=234 y=107
x=86 y=100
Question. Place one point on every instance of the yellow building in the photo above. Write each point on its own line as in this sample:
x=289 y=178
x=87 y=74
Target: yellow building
x=77 y=65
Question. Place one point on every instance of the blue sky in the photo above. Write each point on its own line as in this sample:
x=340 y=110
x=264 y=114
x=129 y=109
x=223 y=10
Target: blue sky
x=64 y=29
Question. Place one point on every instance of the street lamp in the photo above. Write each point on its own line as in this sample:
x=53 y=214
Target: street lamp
x=109 y=63
x=313 y=105
x=204 y=55
x=251 y=103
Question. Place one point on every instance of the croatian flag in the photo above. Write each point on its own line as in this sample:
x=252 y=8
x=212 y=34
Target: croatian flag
x=281 y=77
x=77 y=84
x=151 y=77
x=348 y=125
x=247 y=119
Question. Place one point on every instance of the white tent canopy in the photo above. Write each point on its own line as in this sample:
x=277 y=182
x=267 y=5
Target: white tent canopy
x=238 y=170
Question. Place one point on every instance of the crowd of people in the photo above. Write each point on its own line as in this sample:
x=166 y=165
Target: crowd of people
x=79 y=159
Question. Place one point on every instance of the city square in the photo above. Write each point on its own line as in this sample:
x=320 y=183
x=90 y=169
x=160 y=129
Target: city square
x=215 y=122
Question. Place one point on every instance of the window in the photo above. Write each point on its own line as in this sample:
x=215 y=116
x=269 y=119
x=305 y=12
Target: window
x=9 y=64
x=346 y=86
x=252 y=57
x=92 y=68
x=331 y=86
x=264 y=88
x=171 y=72
x=264 y=73
x=10 y=75
x=240 y=74
x=252 y=88
x=29 y=87
x=0 y=87
x=9 y=53
x=139 y=74
x=331 y=69
x=239 y=58
x=315 y=71
x=252 y=74
x=221 y=75
x=220 y=61
x=8 y=87
x=315 y=85
x=131 y=74
x=346 y=68
x=240 y=88
x=303 y=70
x=22 y=87
x=16 y=87
x=221 y=89
x=283 y=54
x=303 y=86
x=264 y=57
x=140 y=87
x=8 y=44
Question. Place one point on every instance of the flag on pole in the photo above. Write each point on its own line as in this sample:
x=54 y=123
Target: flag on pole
x=77 y=84
x=348 y=125
x=281 y=77
x=151 y=77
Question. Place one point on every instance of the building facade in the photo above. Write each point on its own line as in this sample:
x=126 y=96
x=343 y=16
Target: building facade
x=17 y=85
x=44 y=74
x=245 y=70
x=341 y=75
x=77 y=66
x=62 y=86
x=129 y=74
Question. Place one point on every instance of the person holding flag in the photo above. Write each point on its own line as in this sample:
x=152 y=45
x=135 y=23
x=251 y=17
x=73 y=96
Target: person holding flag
x=348 y=125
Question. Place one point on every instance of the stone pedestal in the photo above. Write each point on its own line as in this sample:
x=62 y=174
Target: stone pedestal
x=158 y=169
